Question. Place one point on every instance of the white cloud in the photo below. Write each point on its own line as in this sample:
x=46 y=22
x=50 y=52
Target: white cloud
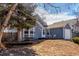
x=52 y=18
x=41 y=12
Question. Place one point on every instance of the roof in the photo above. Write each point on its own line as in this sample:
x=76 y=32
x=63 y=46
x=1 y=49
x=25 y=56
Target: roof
x=62 y=23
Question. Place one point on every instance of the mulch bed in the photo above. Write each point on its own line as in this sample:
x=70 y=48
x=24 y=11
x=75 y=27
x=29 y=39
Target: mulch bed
x=43 y=48
x=19 y=51
x=56 y=48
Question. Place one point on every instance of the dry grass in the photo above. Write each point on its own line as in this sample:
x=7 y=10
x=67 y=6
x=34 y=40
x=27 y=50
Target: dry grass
x=56 y=48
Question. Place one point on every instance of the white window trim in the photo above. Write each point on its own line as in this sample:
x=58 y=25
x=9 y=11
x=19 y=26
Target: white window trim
x=33 y=29
x=29 y=34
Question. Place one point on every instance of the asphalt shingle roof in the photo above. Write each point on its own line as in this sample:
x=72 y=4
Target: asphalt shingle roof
x=62 y=23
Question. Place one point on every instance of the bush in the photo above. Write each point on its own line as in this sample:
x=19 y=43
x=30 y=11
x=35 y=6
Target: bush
x=76 y=40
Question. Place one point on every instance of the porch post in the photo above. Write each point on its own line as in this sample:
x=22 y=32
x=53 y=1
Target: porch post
x=29 y=33
x=23 y=34
x=20 y=36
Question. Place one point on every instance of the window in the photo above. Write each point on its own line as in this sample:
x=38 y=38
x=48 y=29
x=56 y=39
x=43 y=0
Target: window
x=31 y=32
x=26 y=32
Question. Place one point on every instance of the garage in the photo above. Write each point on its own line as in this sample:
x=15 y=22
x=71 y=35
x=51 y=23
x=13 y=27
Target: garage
x=60 y=31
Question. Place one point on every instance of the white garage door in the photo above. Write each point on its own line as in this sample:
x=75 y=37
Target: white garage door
x=67 y=34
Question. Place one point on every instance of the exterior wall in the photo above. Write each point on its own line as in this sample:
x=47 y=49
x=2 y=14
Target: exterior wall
x=38 y=32
x=56 y=33
x=77 y=29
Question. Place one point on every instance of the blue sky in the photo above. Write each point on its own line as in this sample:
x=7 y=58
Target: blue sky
x=55 y=12
x=60 y=7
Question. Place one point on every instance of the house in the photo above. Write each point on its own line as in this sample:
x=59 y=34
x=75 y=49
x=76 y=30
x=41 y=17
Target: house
x=76 y=26
x=63 y=29
x=76 y=32
x=38 y=31
x=58 y=30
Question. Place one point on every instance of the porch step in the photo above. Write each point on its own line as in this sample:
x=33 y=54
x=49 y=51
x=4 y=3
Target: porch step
x=20 y=43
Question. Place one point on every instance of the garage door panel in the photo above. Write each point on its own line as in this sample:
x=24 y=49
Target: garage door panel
x=67 y=34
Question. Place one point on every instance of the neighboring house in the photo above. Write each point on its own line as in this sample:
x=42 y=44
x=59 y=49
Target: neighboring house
x=63 y=29
x=76 y=26
x=76 y=32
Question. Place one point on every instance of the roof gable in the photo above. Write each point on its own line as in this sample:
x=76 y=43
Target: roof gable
x=67 y=26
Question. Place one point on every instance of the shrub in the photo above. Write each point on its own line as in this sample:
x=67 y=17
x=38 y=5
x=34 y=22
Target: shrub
x=76 y=40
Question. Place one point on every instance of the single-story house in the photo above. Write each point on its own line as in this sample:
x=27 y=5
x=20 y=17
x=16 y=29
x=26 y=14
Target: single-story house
x=38 y=31
x=63 y=29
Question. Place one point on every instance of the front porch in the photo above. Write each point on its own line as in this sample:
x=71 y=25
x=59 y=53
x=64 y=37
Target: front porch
x=24 y=35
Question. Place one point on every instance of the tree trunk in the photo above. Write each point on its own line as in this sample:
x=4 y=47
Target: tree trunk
x=6 y=22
